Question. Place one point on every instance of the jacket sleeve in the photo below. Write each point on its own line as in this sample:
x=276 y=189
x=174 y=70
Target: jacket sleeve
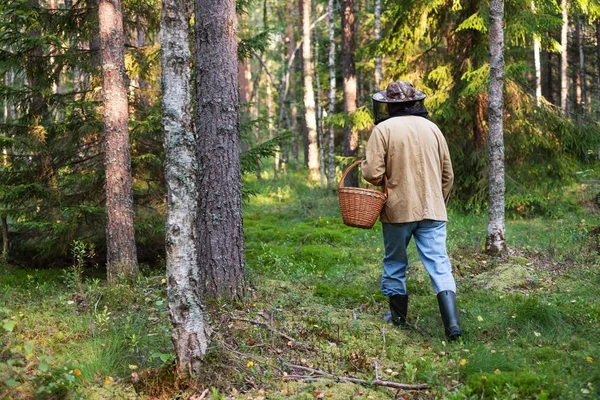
x=447 y=172
x=373 y=167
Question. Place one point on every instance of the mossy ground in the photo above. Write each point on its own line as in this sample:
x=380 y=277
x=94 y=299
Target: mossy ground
x=531 y=320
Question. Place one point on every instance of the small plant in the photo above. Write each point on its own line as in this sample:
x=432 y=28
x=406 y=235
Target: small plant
x=82 y=252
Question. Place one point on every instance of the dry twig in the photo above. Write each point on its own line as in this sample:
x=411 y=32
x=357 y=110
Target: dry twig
x=268 y=326
x=377 y=382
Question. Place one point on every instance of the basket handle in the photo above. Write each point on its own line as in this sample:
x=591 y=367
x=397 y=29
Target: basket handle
x=343 y=178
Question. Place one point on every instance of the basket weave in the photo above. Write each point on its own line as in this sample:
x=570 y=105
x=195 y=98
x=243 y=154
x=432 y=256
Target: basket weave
x=360 y=207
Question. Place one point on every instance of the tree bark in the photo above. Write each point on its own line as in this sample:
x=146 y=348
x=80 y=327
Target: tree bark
x=564 y=88
x=537 y=62
x=221 y=235
x=191 y=332
x=120 y=234
x=319 y=109
x=331 y=107
x=349 y=72
x=378 y=63
x=496 y=241
x=309 y=95
x=582 y=75
x=598 y=67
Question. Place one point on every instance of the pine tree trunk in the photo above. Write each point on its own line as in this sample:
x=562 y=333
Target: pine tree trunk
x=331 y=107
x=221 y=235
x=378 y=64
x=292 y=91
x=191 y=332
x=564 y=88
x=598 y=67
x=309 y=95
x=120 y=234
x=349 y=72
x=582 y=74
x=496 y=241
x=4 y=239
x=537 y=62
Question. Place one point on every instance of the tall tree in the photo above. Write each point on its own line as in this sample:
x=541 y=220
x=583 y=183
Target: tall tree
x=496 y=240
x=581 y=75
x=350 y=90
x=120 y=234
x=564 y=60
x=378 y=66
x=537 y=63
x=221 y=235
x=191 y=331
x=310 y=115
x=331 y=106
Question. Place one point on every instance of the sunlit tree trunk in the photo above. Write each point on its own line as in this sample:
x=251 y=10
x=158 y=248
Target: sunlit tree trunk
x=120 y=234
x=537 y=62
x=378 y=66
x=221 y=235
x=564 y=88
x=496 y=241
x=331 y=106
x=191 y=331
x=319 y=109
x=292 y=91
x=349 y=72
x=309 y=95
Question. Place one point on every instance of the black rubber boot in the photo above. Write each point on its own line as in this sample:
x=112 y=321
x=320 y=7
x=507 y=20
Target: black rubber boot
x=447 y=303
x=398 y=310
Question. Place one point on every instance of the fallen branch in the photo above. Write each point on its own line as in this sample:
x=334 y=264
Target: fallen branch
x=377 y=382
x=266 y=325
x=307 y=235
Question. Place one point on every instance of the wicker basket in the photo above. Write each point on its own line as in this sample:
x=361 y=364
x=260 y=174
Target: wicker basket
x=360 y=207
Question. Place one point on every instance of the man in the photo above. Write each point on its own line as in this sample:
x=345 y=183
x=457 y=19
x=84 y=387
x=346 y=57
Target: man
x=412 y=152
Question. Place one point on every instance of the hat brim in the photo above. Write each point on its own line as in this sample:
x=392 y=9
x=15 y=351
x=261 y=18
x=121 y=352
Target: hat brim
x=382 y=98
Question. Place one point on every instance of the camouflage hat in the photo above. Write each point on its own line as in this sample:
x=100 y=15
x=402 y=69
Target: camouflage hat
x=399 y=92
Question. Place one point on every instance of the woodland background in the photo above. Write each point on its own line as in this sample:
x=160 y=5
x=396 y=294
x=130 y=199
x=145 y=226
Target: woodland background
x=52 y=202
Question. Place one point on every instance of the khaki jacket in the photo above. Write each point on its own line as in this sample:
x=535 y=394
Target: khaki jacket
x=414 y=155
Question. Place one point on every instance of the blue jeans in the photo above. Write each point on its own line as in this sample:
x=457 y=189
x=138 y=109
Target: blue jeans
x=430 y=238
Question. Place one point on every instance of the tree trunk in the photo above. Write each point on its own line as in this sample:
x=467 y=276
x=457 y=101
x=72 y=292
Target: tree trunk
x=292 y=95
x=319 y=109
x=582 y=74
x=378 y=64
x=349 y=72
x=537 y=62
x=331 y=108
x=496 y=241
x=4 y=239
x=120 y=234
x=310 y=116
x=309 y=95
x=564 y=88
x=191 y=331
x=221 y=235
x=598 y=66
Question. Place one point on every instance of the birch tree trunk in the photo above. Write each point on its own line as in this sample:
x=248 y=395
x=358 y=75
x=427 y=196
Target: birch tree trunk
x=378 y=66
x=331 y=107
x=221 y=235
x=319 y=108
x=537 y=62
x=349 y=72
x=564 y=88
x=120 y=234
x=496 y=241
x=309 y=95
x=191 y=331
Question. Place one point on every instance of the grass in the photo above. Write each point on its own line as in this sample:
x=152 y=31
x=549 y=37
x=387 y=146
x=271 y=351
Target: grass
x=315 y=303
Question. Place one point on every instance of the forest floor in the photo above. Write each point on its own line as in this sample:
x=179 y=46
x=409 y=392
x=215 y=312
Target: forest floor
x=311 y=326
